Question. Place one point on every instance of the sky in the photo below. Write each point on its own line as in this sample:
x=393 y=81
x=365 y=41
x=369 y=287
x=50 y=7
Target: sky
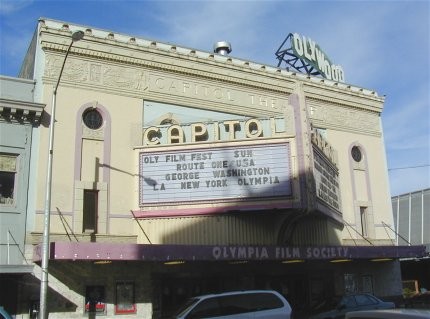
x=381 y=45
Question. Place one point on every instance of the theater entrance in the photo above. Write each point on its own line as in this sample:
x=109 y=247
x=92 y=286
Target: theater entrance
x=173 y=286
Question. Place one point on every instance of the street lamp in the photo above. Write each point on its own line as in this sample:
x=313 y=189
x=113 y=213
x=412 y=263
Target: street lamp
x=76 y=36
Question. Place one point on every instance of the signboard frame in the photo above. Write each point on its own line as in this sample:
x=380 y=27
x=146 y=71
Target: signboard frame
x=215 y=169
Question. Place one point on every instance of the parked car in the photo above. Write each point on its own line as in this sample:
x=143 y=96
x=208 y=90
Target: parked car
x=267 y=304
x=354 y=302
x=4 y=314
x=389 y=314
x=420 y=301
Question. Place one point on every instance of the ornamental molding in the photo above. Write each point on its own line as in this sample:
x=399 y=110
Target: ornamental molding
x=125 y=49
x=174 y=63
x=337 y=96
x=169 y=87
x=344 y=118
x=20 y=111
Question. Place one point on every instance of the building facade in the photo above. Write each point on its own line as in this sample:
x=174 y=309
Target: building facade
x=180 y=172
x=20 y=118
x=412 y=217
x=412 y=223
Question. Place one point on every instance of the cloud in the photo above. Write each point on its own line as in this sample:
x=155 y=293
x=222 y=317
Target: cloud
x=381 y=45
x=200 y=24
x=407 y=123
x=372 y=39
x=16 y=33
x=12 y=6
x=409 y=180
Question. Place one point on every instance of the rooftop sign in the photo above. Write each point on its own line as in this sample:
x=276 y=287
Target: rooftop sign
x=304 y=54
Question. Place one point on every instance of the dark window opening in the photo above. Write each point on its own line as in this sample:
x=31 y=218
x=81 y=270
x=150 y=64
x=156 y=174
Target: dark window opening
x=7 y=184
x=356 y=154
x=167 y=121
x=364 y=223
x=92 y=119
x=125 y=302
x=8 y=166
x=95 y=300
x=90 y=211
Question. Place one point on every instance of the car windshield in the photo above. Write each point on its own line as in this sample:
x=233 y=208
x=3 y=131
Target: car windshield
x=347 y=302
x=184 y=307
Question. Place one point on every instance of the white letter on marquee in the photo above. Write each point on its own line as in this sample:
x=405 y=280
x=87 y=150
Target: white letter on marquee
x=197 y=130
x=253 y=133
x=150 y=136
x=216 y=252
x=175 y=133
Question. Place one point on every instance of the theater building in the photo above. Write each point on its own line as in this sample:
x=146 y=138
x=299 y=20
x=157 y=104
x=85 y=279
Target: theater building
x=179 y=171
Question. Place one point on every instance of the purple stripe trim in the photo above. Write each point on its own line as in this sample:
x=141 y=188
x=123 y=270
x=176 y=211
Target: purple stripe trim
x=293 y=100
x=144 y=252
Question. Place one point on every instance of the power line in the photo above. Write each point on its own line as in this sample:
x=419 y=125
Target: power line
x=408 y=167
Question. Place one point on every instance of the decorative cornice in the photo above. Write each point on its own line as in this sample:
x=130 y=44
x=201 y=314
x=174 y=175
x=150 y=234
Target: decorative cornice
x=174 y=63
x=341 y=97
x=116 y=50
x=324 y=114
x=19 y=111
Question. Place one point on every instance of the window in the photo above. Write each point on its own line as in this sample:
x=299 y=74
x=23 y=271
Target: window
x=125 y=298
x=348 y=302
x=364 y=300
x=95 y=300
x=266 y=301
x=363 y=219
x=92 y=119
x=356 y=154
x=206 y=308
x=236 y=304
x=351 y=283
x=167 y=121
x=8 y=165
x=90 y=211
x=367 y=284
x=243 y=303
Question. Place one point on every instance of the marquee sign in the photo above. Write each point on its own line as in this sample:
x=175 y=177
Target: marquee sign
x=325 y=172
x=326 y=182
x=229 y=130
x=223 y=173
x=304 y=54
x=114 y=251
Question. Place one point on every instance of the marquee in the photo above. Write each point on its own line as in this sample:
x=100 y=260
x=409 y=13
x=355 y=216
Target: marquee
x=216 y=173
x=144 y=252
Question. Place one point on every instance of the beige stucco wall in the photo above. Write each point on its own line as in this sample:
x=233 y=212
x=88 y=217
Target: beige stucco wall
x=124 y=112
x=117 y=76
x=365 y=186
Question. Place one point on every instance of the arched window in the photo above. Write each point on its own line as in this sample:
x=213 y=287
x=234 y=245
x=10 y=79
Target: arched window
x=92 y=119
x=356 y=154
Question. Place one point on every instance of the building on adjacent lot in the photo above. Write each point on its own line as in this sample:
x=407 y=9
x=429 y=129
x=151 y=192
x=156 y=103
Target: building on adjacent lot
x=412 y=223
x=20 y=118
x=179 y=171
x=412 y=218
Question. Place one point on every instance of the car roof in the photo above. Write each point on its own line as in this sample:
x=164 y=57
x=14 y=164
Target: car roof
x=236 y=292
x=390 y=314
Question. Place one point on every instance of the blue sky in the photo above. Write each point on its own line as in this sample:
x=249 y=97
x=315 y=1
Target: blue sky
x=381 y=45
